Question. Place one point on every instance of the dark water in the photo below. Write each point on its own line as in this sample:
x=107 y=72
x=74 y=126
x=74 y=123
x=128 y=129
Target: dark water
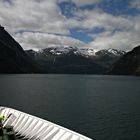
x=100 y=107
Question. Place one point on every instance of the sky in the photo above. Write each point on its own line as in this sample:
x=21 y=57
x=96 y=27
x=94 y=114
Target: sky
x=96 y=24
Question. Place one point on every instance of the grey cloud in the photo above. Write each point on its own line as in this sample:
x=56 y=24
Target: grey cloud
x=95 y=18
x=135 y=4
x=36 y=41
x=122 y=40
x=33 y=15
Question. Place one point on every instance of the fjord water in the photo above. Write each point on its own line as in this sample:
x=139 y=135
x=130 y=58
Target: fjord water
x=100 y=107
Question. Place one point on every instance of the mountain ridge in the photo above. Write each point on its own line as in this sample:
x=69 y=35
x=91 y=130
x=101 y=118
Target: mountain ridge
x=75 y=60
x=62 y=50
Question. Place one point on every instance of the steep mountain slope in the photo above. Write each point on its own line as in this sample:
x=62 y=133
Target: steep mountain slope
x=13 y=59
x=129 y=64
x=108 y=57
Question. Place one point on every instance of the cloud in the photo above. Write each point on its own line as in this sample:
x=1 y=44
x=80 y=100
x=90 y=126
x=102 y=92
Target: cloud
x=120 y=39
x=36 y=41
x=85 y=2
x=120 y=32
x=135 y=4
x=32 y=15
x=96 y=18
x=35 y=23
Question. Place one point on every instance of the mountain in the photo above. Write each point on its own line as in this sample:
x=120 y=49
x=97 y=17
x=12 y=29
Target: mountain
x=13 y=59
x=129 y=64
x=110 y=52
x=69 y=63
x=67 y=59
x=108 y=56
x=65 y=50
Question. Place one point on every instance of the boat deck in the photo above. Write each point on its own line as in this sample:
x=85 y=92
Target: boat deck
x=33 y=128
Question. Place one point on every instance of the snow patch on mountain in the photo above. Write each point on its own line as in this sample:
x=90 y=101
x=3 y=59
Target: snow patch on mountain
x=67 y=49
x=115 y=52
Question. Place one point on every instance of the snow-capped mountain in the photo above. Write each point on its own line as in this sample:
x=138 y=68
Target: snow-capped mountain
x=60 y=50
x=110 y=52
x=65 y=50
x=85 y=51
x=67 y=59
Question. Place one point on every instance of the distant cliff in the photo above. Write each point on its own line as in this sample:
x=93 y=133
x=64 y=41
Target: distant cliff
x=129 y=64
x=13 y=59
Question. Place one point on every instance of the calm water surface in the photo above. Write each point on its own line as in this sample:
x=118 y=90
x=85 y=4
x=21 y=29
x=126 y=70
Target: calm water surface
x=100 y=107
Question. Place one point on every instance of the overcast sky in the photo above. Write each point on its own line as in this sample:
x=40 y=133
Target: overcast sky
x=98 y=24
